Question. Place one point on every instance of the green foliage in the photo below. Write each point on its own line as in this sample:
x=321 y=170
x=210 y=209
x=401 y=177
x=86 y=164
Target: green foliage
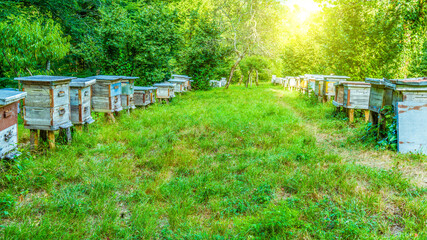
x=28 y=44
x=383 y=134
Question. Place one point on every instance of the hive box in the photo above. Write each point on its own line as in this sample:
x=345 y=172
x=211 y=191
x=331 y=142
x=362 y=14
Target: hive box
x=153 y=94
x=127 y=96
x=187 y=80
x=328 y=91
x=411 y=125
x=143 y=96
x=318 y=87
x=106 y=94
x=47 y=105
x=9 y=106
x=356 y=95
x=165 y=90
x=179 y=85
x=80 y=100
x=339 y=95
x=409 y=90
x=381 y=94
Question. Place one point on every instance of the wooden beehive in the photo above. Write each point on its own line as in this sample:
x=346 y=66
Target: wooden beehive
x=381 y=94
x=304 y=84
x=153 y=94
x=409 y=90
x=179 y=85
x=328 y=91
x=106 y=94
x=47 y=105
x=339 y=95
x=9 y=106
x=187 y=80
x=356 y=95
x=127 y=96
x=319 y=87
x=143 y=96
x=292 y=83
x=165 y=91
x=80 y=100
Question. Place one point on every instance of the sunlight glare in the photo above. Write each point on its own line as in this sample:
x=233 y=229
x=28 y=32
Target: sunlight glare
x=304 y=8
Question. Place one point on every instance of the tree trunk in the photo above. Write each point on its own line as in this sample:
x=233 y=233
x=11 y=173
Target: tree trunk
x=257 y=83
x=241 y=79
x=233 y=69
x=48 y=66
x=249 y=78
x=10 y=64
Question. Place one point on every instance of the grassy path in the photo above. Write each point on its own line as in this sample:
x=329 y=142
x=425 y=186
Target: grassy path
x=237 y=164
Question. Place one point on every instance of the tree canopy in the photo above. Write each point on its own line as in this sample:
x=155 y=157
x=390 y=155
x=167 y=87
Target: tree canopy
x=210 y=39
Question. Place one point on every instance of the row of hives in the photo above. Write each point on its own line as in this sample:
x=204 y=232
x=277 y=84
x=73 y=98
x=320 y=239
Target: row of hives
x=407 y=97
x=52 y=103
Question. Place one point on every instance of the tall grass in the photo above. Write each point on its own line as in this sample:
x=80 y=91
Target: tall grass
x=220 y=164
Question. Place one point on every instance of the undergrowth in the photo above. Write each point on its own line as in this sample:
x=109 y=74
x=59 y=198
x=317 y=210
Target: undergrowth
x=221 y=164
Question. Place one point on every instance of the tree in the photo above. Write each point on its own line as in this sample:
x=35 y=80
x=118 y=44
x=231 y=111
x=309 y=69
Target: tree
x=27 y=45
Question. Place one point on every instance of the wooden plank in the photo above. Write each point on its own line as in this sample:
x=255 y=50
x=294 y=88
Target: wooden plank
x=411 y=125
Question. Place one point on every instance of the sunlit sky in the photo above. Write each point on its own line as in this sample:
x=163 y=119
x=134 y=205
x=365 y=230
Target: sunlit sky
x=306 y=7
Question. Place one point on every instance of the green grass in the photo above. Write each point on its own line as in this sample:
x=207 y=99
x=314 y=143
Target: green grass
x=220 y=164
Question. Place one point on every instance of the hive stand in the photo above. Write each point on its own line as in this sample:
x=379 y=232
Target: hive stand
x=165 y=92
x=127 y=96
x=80 y=100
x=9 y=108
x=356 y=96
x=106 y=96
x=47 y=107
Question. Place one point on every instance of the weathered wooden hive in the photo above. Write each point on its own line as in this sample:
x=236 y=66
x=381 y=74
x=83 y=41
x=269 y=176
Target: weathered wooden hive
x=187 y=80
x=165 y=91
x=81 y=100
x=339 y=95
x=409 y=90
x=9 y=107
x=273 y=79
x=356 y=96
x=47 y=107
x=127 y=96
x=381 y=94
x=304 y=84
x=318 y=91
x=179 y=85
x=328 y=86
x=292 y=83
x=223 y=82
x=143 y=96
x=153 y=94
x=107 y=94
x=214 y=83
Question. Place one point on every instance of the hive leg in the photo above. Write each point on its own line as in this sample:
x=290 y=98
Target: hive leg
x=350 y=115
x=51 y=139
x=78 y=127
x=110 y=117
x=167 y=100
x=367 y=115
x=34 y=139
x=68 y=135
